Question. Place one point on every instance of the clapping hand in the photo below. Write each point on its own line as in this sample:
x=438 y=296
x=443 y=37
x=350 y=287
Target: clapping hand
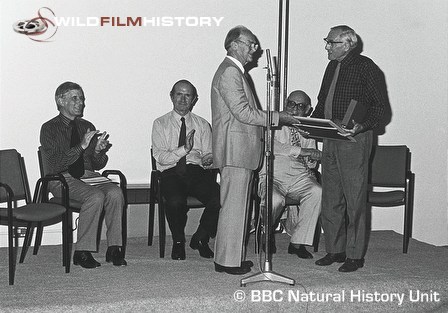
x=102 y=142
x=88 y=137
x=207 y=160
x=189 y=141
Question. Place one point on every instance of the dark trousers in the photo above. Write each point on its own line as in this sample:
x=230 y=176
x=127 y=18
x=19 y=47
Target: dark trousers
x=345 y=167
x=198 y=183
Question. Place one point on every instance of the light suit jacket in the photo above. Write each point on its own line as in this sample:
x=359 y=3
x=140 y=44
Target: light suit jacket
x=236 y=120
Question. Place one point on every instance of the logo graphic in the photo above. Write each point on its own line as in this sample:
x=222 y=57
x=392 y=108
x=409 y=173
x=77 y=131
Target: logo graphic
x=41 y=28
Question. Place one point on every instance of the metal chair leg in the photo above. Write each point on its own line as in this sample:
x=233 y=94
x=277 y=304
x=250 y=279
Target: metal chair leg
x=26 y=242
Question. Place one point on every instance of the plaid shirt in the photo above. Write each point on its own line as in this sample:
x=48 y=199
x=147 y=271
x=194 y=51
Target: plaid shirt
x=359 y=79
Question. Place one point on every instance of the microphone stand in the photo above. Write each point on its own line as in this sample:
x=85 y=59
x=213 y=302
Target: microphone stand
x=266 y=273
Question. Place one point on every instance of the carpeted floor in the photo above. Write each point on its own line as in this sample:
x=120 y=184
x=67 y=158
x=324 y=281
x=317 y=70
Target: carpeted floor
x=390 y=282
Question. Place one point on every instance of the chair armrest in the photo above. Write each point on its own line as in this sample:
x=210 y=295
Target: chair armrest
x=118 y=173
x=9 y=197
x=123 y=181
x=41 y=190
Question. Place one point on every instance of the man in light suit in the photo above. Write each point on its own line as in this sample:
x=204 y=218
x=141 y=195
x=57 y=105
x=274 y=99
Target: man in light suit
x=237 y=126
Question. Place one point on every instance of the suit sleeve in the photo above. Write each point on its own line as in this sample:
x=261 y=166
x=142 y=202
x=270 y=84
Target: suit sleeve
x=232 y=91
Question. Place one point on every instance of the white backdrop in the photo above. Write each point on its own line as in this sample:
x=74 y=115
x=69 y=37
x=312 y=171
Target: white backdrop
x=127 y=73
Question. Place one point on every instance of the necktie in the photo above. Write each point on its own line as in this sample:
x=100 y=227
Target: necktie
x=295 y=136
x=329 y=101
x=295 y=141
x=181 y=167
x=77 y=168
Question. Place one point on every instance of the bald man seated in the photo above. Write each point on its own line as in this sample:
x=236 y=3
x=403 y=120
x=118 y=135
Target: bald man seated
x=182 y=148
x=294 y=158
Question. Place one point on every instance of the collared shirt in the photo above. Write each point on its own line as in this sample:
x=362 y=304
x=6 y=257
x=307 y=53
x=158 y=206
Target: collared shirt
x=359 y=79
x=286 y=155
x=238 y=63
x=55 y=141
x=165 y=139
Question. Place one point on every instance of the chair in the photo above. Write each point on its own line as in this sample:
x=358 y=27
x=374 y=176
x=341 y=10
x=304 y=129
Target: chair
x=38 y=212
x=391 y=167
x=75 y=206
x=155 y=196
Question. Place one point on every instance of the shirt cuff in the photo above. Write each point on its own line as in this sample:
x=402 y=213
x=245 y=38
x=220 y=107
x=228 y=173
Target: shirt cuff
x=180 y=152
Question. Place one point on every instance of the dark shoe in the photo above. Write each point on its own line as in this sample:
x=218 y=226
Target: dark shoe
x=351 y=265
x=114 y=255
x=84 y=259
x=178 y=252
x=238 y=270
x=204 y=249
x=301 y=251
x=248 y=264
x=330 y=258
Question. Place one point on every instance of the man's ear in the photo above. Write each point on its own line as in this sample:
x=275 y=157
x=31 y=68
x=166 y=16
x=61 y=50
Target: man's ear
x=233 y=45
x=308 y=111
x=59 y=101
x=195 y=99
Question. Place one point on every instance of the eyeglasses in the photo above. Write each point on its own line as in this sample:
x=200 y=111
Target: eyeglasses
x=73 y=98
x=301 y=105
x=250 y=44
x=331 y=42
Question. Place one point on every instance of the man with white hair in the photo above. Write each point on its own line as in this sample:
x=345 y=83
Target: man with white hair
x=349 y=78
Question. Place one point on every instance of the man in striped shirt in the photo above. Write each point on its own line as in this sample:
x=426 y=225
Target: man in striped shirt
x=73 y=147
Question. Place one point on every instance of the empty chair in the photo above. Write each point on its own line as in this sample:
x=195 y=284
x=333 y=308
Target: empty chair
x=38 y=212
x=391 y=167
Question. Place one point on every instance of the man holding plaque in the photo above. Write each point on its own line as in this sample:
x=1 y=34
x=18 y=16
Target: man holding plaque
x=352 y=83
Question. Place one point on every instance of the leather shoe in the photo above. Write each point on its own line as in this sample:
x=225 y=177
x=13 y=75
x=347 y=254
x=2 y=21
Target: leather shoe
x=248 y=264
x=178 y=252
x=330 y=258
x=351 y=265
x=301 y=251
x=204 y=249
x=238 y=270
x=114 y=255
x=84 y=259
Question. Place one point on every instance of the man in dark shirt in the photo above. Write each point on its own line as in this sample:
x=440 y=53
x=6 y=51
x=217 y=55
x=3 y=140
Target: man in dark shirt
x=349 y=77
x=73 y=147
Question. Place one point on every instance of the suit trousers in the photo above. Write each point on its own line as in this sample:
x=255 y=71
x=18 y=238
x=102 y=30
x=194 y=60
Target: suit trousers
x=300 y=185
x=198 y=183
x=95 y=199
x=345 y=167
x=236 y=186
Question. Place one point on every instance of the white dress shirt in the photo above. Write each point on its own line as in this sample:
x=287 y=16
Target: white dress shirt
x=165 y=139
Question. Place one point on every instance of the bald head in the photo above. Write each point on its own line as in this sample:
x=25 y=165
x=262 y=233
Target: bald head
x=299 y=96
x=298 y=103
